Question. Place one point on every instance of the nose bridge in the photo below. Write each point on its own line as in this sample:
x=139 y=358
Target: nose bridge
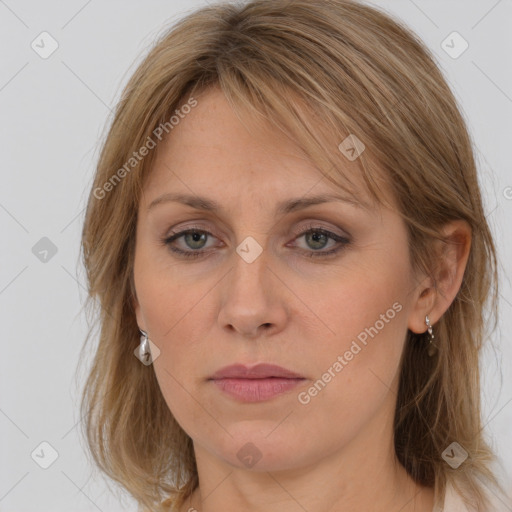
x=249 y=298
x=250 y=263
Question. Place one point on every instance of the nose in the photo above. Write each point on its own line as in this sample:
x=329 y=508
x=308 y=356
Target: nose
x=252 y=301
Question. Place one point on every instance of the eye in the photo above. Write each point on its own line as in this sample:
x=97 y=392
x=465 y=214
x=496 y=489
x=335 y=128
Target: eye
x=318 y=238
x=193 y=242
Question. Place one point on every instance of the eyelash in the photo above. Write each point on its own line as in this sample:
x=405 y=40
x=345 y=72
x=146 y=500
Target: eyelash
x=342 y=242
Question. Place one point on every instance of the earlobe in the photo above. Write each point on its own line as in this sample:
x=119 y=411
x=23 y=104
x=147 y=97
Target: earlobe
x=423 y=306
x=435 y=295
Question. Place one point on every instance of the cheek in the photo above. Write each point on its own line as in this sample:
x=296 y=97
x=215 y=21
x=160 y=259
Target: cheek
x=176 y=323
x=167 y=300
x=366 y=308
x=172 y=321
x=367 y=294
x=363 y=315
x=174 y=309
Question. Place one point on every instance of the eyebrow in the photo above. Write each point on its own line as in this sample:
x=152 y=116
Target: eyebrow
x=284 y=207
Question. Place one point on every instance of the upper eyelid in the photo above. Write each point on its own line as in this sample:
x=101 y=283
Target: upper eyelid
x=311 y=225
x=299 y=233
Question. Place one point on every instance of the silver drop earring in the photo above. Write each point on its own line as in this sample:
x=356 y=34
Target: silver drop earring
x=431 y=347
x=144 y=349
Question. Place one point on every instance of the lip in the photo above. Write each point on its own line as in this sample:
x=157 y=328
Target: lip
x=257 y=383
x=259 y=371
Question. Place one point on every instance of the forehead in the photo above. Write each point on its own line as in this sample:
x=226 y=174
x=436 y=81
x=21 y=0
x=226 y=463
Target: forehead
x=213 y=128
x=230 y=152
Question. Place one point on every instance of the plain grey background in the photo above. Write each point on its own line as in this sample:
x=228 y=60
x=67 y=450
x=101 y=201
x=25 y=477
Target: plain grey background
x=54 y=111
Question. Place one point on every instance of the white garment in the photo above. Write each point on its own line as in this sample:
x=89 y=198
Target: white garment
x=453 y=503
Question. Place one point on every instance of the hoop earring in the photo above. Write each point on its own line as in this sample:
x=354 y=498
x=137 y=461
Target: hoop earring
x=431 y=347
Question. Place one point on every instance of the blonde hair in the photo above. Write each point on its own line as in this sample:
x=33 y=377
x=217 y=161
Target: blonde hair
x=313 y=69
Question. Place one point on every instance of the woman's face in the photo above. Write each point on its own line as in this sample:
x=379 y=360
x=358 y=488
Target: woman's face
x=323 y=290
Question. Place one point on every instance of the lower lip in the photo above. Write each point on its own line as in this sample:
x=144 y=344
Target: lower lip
x=256 y=390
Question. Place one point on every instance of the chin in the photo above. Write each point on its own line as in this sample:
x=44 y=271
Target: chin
x=256 y=450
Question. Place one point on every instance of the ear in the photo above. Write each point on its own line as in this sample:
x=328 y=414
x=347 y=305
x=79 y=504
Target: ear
x=435 y=293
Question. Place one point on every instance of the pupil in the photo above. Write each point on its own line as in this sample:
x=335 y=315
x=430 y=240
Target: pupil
x=196 y=237
x=318 y=237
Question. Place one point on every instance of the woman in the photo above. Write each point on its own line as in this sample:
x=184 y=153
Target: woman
x=286 y=211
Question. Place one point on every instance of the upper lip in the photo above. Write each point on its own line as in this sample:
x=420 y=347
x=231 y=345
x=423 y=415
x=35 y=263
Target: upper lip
x=259 y=371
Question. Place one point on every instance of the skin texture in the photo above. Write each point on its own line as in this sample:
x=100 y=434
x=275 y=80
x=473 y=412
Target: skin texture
x=334 y=453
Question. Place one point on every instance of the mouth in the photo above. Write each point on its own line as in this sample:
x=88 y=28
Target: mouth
x=255 y=384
